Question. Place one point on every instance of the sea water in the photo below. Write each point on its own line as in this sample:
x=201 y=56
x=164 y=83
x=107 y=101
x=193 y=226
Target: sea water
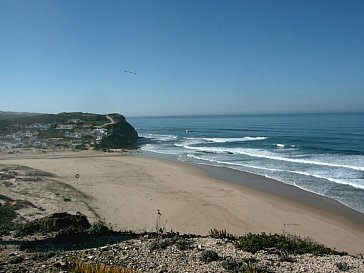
x=320 y=153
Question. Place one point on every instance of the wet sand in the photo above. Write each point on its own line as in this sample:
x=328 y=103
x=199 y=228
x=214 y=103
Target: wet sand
x=145 y=194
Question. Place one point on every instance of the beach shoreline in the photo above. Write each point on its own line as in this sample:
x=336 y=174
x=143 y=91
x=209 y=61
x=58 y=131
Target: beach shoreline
x=147 y=193
x=271 y=186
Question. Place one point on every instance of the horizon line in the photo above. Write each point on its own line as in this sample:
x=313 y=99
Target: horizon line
x=248 y=114
x=199 y=114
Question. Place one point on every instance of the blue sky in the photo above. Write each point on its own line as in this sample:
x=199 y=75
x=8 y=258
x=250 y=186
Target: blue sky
x=192 y=57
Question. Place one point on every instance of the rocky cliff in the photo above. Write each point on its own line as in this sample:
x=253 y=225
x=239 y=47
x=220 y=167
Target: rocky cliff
x=121 y=134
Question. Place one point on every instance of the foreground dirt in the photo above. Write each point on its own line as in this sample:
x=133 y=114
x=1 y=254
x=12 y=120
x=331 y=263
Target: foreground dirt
x=138 y=254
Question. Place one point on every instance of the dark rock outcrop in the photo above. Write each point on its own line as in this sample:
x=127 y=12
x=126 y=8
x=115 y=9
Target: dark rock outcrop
x=121 y=135
x=55 y=222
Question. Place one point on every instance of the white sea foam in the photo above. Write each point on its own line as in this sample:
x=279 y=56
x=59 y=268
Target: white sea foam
x=159 y=137
x=234 y=139
x=356 y=183
x=188 y=142
x=280 y=146
x=204 y=159
x=273 y=156
x=197 y=140
x=269 y=155
x=157 y=149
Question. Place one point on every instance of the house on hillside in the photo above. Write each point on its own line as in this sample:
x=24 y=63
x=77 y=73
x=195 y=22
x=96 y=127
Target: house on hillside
x=65 y=127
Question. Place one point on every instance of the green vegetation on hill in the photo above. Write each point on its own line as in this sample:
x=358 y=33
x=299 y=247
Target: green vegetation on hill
x=73 y=130
x=9 y=115
x=25 y=119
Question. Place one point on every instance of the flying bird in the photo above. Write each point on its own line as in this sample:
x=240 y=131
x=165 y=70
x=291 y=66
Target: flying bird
x=130 y=72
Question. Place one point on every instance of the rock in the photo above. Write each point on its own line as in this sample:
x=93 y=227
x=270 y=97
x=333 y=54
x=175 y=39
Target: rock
x=122 y=135
x=55 y=222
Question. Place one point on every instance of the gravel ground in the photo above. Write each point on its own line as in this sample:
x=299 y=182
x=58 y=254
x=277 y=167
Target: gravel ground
x=198 y=254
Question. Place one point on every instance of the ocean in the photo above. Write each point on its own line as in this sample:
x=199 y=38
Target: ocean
x=320 y=153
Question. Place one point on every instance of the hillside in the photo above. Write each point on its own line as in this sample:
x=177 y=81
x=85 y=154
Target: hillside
x=74 y=130
x=9 y=114
x=7 y=119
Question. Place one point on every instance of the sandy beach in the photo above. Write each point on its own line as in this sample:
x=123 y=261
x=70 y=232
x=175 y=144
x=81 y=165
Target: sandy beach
x=139 y=193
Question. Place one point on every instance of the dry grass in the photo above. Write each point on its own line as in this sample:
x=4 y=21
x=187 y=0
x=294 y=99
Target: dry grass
x=222 y=234
x=78 y=266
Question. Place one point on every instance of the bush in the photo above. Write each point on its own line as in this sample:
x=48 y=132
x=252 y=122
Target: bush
x=246 y=266
x=180 y=242
x=343 y=266
x=208 y=256
x=4 y=230
x=283 y=242
x=159 y=244
x=7 y=215
x=232 y=266
x=250 y=268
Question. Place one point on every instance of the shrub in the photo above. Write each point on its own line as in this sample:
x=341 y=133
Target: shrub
x=285 y=257
x=343 y=266
x=247 y=266
x=283 y=242
x=7 y=214
x=232 y=266
x=159 y=244
x=208 y=256
x=180 y=242
x=4 y=230
x=250 y=268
